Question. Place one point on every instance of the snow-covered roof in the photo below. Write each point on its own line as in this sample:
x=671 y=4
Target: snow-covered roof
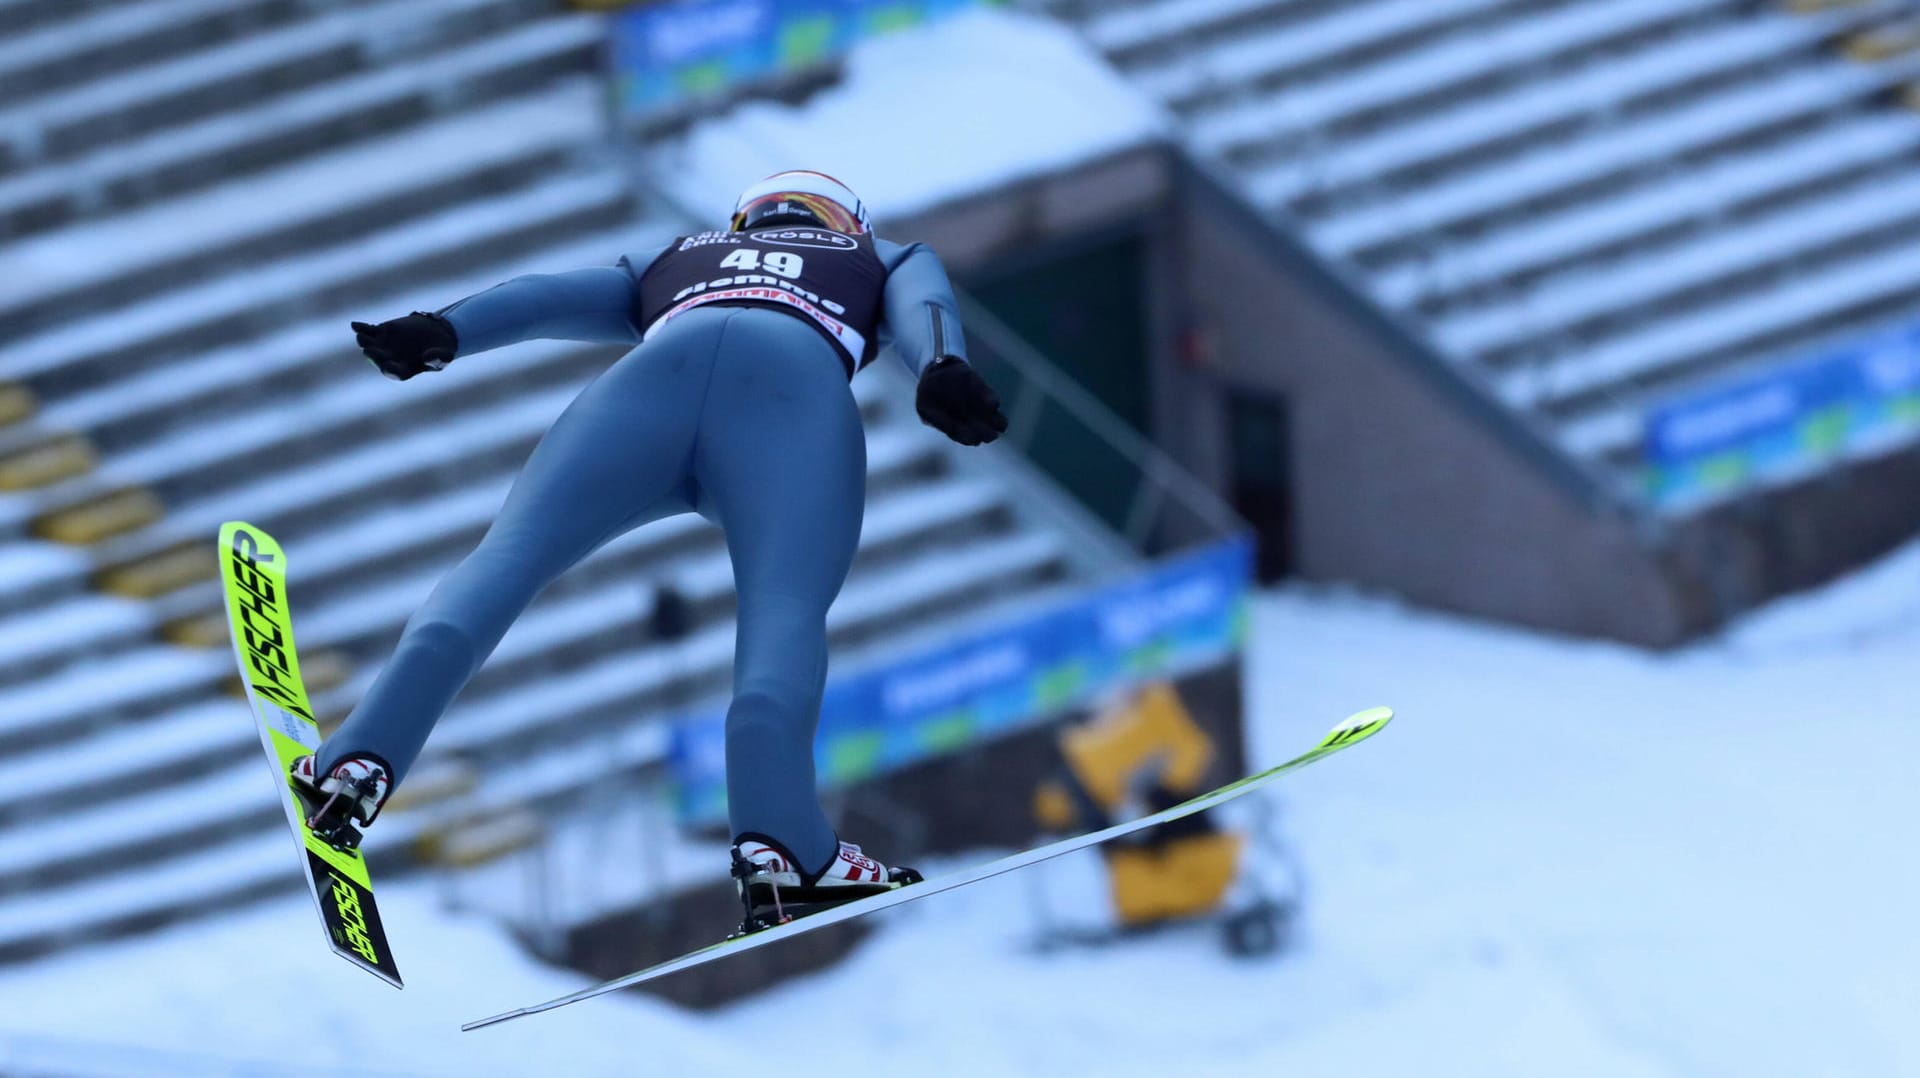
x=928 y=115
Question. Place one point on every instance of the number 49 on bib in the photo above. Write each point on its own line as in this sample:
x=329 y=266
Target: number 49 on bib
x=780 y=263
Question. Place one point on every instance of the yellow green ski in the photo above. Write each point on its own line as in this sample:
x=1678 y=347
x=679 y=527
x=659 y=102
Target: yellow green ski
x=1351 y=731
x=255 y=574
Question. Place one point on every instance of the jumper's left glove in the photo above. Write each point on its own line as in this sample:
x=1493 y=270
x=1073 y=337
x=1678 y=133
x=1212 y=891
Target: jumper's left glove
x=954 y=400
x=404 y=347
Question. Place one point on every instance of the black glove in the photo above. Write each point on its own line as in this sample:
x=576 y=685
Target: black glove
x=954 y=400
x=404 y=347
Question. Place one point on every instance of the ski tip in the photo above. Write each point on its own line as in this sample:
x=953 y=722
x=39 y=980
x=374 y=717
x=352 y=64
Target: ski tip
x=1357 y=727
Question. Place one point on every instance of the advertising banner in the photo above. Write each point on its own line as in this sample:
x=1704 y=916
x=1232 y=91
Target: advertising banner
x=1788 y=421
x=1178 y=616
x=669 y=52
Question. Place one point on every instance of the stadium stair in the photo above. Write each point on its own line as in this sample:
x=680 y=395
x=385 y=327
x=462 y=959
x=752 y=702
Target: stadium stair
x=1592 y=207
x=197 y=196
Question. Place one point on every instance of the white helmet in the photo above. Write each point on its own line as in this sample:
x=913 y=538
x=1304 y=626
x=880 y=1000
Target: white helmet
x=799 y=196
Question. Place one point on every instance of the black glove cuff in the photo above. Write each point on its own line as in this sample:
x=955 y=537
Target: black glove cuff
x=955 y=400
x=440 y=320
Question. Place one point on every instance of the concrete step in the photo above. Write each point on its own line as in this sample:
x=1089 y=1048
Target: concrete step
x=222 y=309
x=19 y=16
x=372 y=186
x=87 y=698
x=254 y=135
x=107 y=42
x=312 y=52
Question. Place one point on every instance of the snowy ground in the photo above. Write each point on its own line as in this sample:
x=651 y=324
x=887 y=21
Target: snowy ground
x=1562 y=859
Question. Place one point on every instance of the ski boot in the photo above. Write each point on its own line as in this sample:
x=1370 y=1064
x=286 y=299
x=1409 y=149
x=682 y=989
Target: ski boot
x=774 y=890
x=342 y=803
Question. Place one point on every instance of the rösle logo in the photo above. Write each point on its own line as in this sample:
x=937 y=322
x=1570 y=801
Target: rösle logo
x=815 y=238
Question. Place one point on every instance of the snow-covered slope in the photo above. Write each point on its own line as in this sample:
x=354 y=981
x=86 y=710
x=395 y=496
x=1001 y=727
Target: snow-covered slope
x=1565 y=859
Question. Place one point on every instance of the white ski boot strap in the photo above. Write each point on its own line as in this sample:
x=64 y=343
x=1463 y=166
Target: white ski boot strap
x=363 y=782
x=852 y=866
x=772 y=864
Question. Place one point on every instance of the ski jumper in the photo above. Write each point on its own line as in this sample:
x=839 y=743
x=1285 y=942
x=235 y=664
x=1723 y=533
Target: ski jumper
x=736 y=405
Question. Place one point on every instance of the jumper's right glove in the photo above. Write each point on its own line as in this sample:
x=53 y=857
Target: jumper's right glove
x=403 y=347
x=954 y=400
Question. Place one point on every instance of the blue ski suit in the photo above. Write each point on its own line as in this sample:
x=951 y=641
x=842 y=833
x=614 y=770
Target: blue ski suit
x=741 y=413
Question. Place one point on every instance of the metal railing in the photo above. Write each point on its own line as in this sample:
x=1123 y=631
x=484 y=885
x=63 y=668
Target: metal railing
x=1150 y=500
x=1153 y=503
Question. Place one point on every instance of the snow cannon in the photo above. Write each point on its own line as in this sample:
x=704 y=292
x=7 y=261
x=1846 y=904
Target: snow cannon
x=1141 y=754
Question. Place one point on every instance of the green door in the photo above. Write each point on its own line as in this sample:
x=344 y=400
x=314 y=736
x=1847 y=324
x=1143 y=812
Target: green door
x=1085 y=311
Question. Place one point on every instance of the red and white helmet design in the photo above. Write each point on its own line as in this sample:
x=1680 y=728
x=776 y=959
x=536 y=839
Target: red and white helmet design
x=828 y=201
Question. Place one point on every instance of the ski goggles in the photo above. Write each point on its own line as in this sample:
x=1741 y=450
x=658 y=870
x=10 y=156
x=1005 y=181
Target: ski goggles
x=829 y=213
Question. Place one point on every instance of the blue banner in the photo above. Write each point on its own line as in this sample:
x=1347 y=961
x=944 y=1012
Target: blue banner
x=1185 y=614
x=1788 y=420
x=670 y=52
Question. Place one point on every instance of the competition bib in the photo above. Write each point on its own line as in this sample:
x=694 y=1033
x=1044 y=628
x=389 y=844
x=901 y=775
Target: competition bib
x=832 y=281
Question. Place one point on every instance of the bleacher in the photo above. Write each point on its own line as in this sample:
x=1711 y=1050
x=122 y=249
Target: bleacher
x=195 y=198
x=1595 y=207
